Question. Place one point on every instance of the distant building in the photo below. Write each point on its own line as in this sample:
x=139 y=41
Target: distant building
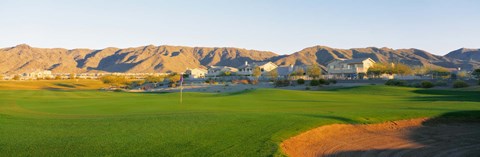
x=196 y=73
x=289 y=70
x=349 y=68
x=39 y=74
x=247 y=69
x=215 y=71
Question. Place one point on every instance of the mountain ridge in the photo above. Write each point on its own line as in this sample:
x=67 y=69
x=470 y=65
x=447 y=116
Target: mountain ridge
x=169 y=58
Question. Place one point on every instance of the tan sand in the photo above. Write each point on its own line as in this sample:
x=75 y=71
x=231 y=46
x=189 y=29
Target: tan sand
x=416 y=137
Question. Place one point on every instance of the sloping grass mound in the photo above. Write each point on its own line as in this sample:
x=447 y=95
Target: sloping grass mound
x=52 y=85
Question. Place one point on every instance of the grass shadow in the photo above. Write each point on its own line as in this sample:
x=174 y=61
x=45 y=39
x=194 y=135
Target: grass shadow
x=65 y=85
x=299 y=101
x=238 y=93
x=446 y=95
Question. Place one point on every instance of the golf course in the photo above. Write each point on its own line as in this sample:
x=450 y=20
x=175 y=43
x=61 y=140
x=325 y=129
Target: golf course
x=74 y=118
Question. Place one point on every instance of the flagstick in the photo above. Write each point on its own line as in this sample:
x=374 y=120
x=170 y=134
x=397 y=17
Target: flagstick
x=181 y=91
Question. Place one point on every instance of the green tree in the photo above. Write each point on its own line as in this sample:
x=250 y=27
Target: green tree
x=298 y=71
x=174 y=78
x=273 y=74
x=257 y=72
x=154 y=79
x=420 y=70
x=71 y=76
x=388 y=68
x=227 y=73
x=439 y=72
x=314 y=71
x=114 y=81
x=476 y=73
x=136 y=83
x=376 y=70
x=16 y=77
x=462 y=74
x=401 y=69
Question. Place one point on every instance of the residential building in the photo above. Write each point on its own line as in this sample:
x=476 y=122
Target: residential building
x=38 y=74
x=247 y=69
x=214 y=71
x=349 y=68
x=196 y=73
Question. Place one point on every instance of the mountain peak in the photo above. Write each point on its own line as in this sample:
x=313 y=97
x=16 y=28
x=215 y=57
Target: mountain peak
x=466 y=54
x=23 y=46
x=464 y=50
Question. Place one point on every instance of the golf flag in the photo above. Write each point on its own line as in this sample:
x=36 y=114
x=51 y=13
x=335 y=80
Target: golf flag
x=181 y=89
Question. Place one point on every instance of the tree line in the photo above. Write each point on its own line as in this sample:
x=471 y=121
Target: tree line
x=124 y=82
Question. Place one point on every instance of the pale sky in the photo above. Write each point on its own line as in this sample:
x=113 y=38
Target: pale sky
x=281 y=26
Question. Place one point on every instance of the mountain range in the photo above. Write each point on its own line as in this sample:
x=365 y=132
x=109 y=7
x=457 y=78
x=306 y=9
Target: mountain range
x=24 y=58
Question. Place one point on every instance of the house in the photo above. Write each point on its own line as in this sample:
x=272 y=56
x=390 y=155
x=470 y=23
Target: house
x=349 y=68
x=247 y=69
x=285 y=71
x=196 y=73
x=38 y=74
x=214 y=71
x=291 y=71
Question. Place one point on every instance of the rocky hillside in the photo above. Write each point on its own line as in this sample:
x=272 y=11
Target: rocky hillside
x=23 y=58
x=465 y=54
x=413 y=57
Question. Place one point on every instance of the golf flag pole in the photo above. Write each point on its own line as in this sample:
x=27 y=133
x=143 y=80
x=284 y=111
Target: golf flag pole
x=181 y=89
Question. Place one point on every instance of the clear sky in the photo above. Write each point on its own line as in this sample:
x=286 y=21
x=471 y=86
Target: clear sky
x=281 y=26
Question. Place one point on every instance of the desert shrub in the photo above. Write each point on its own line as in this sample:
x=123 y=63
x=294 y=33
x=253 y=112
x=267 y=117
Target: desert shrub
x=282 y=83
x=427 y=84
x=242 y=81
x=332 y=81
x=211 y=81
x=254 y=82
x=459 y=84
x=301 y=81
x=115 y=81
x=453 y=76
x=322 y=81
x=172 y=84
x=416 y=85
x=16 y=77
x=441 y=83
x=136 y=83
x=393 y=82
x=314 y=83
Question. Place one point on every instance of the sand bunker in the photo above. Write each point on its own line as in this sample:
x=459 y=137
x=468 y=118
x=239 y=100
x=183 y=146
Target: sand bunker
x=416 y=137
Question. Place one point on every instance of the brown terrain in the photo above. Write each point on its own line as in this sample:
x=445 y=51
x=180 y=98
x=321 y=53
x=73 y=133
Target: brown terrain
x=416 y=137
x=24 y=58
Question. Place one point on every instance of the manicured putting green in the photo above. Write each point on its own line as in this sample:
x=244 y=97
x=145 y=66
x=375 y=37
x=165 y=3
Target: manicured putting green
x=251 y=123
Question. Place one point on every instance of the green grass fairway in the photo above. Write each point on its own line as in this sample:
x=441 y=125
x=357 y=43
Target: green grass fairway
x=253 y=123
